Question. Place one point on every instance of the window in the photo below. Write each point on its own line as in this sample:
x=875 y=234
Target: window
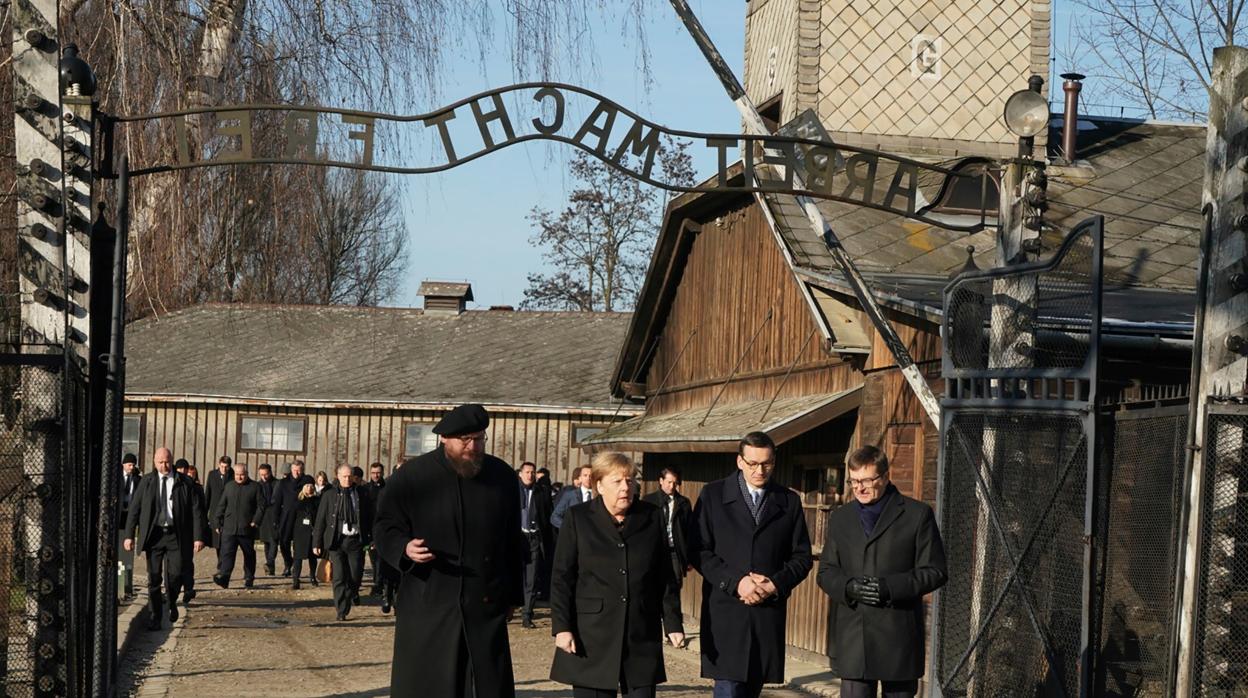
x=132 y=435
x=770 y=111
x=418 y=439
x=968 y=193
x=271 y=434
x=579 y=434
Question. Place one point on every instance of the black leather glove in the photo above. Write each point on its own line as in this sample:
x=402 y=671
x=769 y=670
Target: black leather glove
x=860 y=590
x=880 y=589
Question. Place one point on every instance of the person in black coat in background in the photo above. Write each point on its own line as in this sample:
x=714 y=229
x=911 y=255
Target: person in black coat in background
x=450 y=523
x=611 y=573
x=269 y=532
x=214 y=485
x=881 y=555
x=753 y=549
x=184 y=467
x=288 y=491
x=307 y=502
x=169 y=520
x=240 y=509
x=125 y=493
x=343 y=529
x=535 y=509
x=677 y=520
x=385 y=577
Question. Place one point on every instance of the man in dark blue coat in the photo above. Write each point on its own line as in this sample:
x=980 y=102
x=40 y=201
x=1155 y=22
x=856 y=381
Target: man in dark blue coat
x=449 y=522
x=881 y=554
x=752 y=549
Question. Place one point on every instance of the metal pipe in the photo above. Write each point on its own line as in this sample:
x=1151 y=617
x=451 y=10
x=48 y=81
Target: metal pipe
x=1070 y=117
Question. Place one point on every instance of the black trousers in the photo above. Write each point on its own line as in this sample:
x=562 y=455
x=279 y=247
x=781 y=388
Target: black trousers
x=348 y=562
x=671 y=598
x=230 y=545
x=637 y=692
x=866 y=688
x=283 y=547
x=532 y=567
x=270 y=554
x=297 y=567
x=373 y=560
x=164 y=564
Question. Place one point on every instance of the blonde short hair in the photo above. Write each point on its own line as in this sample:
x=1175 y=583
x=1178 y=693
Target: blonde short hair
x=609 y=462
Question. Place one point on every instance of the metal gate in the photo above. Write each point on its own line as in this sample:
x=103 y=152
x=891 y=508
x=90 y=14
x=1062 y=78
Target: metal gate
x=1017 y=483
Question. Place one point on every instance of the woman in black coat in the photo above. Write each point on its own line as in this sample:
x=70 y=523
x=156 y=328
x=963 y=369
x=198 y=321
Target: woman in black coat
x=305 y=518
x=611 y=570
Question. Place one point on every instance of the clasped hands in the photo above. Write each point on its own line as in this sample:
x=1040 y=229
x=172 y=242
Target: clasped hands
x=869 y=590
x=755 y=588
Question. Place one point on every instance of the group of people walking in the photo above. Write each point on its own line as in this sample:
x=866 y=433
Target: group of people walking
x=169 y=516
x=460 y=552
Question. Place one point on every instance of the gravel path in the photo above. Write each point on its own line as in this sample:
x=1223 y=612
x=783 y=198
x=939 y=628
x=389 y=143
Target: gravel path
x=271 y=641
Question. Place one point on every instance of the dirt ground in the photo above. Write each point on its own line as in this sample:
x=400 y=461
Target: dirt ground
x=271 y=641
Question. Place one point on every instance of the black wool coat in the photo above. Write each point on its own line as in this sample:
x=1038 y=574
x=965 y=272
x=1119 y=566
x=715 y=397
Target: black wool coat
x=188 y=513
x=473 y=528
x=288 y=494
x=269 y=492
x=303 y=519
x=330 y=513
x=239 y=509
x=728 y=546
x=682 y=522
x=905 y=550
x=213 y=487
x=125 y=482
x=607 y=590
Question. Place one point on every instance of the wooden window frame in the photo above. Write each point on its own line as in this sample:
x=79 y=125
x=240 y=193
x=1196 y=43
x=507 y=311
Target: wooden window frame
x=291 y=418
x=142 y=433
x=572 y=434
x=404 y=455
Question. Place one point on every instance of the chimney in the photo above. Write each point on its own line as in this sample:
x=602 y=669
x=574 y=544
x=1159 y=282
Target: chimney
x=448 y=297
x=1070 y=119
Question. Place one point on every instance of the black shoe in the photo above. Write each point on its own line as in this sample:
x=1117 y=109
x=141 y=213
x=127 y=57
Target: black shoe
x=342 y=616
x=355 y=599
x=220 y=581
x=313 y=582
x=249 y=583
x=294 y=583
x=286 y=572
x=173 y=614
x=527 y=623
x=268 y=569
x=385 y=606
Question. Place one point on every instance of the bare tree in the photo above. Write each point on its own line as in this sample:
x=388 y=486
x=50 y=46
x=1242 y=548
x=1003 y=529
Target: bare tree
x=598 y=246
x=1155 y=55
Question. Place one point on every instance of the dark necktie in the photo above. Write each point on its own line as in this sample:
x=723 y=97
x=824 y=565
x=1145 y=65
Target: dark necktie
x=163 y=517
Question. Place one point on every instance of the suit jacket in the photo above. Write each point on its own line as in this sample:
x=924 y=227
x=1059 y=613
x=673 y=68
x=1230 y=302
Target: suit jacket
x=539 y=517
x=569 y=497
x=682 y=520
x=330 y=516
x=728 y=546
x=240 y=509
x=607 y=589
x=125 y=493
x=188 y=514
x=906 y=552
x=215 y=485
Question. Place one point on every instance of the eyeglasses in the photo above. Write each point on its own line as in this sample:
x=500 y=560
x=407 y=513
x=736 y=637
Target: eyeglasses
x=864 y=482
x=467 y=439
x=764 y=465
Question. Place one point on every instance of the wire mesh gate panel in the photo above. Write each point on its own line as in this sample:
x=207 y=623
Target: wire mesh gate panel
x=1221 y=642
x=1016 y=491
x=40 y=627
x=1143 y=500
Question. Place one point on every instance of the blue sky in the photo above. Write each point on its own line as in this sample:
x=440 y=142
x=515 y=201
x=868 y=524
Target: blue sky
x=471 y=223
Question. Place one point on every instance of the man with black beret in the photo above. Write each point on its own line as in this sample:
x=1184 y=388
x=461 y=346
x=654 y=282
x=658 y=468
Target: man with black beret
x=450 y=524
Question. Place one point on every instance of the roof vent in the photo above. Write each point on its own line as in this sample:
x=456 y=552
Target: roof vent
x=445 y=296
x=503 y=308
x=1070 y=119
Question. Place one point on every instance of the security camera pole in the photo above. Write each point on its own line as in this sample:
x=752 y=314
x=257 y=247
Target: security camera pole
x=819 y=225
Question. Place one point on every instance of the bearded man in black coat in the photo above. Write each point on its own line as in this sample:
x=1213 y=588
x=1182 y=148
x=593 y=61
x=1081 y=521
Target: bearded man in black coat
x=449 y=522
x=881 y=555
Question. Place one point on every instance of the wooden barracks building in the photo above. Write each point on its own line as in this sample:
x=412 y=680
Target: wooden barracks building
x=338 y=384
x=744 y=323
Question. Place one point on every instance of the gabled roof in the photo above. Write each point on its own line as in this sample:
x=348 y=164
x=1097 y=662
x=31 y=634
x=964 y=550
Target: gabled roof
x=1144 y=177
x=377 y=356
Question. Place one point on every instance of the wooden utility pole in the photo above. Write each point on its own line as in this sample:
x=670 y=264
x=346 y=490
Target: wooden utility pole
x=1219 y=370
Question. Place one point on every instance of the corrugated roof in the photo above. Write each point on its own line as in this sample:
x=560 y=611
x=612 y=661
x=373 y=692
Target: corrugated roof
x=377 y=355
x=721 y=428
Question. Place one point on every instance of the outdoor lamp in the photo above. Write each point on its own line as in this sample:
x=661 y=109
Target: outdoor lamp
x=1026 y=113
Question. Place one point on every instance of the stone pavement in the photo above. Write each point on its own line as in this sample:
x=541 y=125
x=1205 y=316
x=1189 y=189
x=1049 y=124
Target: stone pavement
x=270 y=641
